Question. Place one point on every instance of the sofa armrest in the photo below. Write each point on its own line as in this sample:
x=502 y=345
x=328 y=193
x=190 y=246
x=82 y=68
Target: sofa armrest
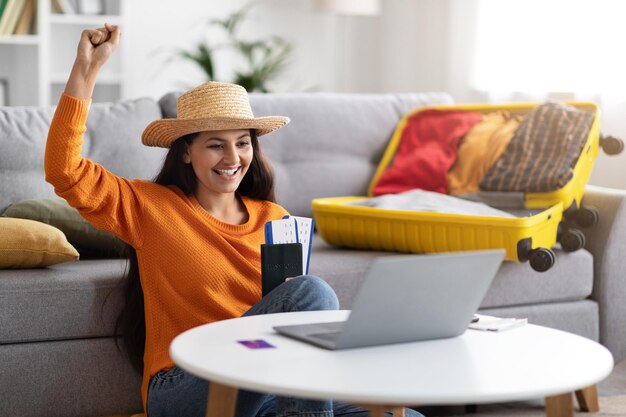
x=607 y=242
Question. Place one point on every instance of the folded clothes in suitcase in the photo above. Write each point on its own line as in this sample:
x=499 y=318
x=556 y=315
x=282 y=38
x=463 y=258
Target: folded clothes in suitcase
x=544 y=149
x=548 y=159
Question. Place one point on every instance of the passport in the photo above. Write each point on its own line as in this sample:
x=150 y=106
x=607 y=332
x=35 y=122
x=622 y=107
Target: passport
x=279 y=261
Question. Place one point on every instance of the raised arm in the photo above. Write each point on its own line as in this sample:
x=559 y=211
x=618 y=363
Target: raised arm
x=95 y=48
x=109 y=202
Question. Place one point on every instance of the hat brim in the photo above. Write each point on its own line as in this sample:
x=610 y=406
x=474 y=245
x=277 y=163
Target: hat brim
x=164 y=132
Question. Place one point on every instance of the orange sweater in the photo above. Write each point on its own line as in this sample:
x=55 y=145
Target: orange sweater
x=194 y=269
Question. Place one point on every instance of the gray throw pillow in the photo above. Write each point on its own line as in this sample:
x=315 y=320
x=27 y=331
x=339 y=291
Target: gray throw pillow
x=88 y=240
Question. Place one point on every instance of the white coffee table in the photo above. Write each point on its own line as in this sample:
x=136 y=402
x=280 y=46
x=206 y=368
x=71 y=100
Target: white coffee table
x=525 y=363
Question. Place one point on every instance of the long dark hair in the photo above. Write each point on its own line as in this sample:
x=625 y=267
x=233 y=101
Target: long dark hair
x=258 y=183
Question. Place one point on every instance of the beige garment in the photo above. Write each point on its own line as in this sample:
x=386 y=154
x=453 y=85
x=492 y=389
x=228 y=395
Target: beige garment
x=479 y=149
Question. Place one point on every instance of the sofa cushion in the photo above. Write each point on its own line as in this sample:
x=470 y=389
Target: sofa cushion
x=88 y=240
x=570 y=279
x=88 y=377
x=312 y=153
x=113 y=139
x=31 y=244
x=65 y=301
x=578 y=317
x=82 y=299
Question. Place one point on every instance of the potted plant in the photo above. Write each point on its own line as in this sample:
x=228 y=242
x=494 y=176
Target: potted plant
x=263 y=60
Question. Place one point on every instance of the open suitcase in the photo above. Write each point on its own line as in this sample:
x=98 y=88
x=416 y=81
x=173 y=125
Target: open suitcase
x=575 y=215
x=526 y=238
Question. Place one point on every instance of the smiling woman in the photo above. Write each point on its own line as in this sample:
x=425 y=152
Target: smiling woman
x=194 y=234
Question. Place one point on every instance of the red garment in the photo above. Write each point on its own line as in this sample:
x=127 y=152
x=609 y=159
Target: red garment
x=426 y=151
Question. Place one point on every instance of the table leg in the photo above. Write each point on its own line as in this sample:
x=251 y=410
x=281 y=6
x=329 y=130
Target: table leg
x=560 y=405
x=588 y=399
x=398 y=411
x=222 y=400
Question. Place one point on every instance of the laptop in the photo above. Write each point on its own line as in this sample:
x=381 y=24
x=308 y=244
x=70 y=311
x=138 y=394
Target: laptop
x=409 y=298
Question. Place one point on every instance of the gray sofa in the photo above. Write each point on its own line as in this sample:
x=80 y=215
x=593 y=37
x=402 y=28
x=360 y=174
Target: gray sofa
x=57 y=353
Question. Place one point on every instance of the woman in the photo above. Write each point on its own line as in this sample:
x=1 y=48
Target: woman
x=196 y=231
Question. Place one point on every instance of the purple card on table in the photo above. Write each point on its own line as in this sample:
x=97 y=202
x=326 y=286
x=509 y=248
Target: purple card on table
x=255 y=344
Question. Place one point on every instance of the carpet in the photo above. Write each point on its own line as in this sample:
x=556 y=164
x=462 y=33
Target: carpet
x=609 y=407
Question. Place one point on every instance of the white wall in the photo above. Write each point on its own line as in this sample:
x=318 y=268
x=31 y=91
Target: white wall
x=180 y=24
x=402 y=49
x=412 y=52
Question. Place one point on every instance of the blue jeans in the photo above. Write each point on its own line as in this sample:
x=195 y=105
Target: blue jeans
x=175 y=393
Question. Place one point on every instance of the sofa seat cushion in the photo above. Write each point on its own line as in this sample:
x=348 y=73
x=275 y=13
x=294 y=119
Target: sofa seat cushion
x=570 y=279
x=82 y=299
x=65 y=301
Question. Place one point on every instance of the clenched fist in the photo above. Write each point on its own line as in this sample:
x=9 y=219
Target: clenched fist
x=97 y=45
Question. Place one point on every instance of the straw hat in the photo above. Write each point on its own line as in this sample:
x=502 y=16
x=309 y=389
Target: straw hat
x=211 y=106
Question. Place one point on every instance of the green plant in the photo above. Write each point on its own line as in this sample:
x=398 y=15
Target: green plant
x=263 y=60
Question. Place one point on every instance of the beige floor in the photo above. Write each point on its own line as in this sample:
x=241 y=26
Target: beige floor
x=613 y=406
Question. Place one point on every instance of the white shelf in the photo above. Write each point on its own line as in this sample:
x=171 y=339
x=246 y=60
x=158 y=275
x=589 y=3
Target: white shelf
x=37 y=66
x=19 y=40
x=84 y=19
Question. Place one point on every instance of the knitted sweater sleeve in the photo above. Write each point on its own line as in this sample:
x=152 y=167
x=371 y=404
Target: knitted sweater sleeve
x=109 y=202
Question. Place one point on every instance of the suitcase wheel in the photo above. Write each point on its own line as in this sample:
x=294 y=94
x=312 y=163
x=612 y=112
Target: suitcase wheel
x=587 y=216
x=572 y=240
x=541 y=259
x=611 y=145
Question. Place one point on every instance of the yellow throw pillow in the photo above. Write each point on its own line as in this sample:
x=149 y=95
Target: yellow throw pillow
x=32 y=244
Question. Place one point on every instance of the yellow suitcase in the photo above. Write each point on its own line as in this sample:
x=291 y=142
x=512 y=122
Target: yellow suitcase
x=524 y=238
x=575 y=215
